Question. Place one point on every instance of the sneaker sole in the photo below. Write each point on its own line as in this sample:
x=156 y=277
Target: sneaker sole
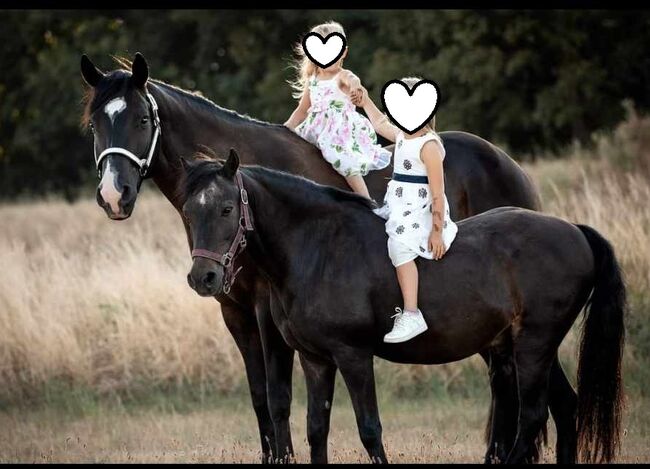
x=408 y=337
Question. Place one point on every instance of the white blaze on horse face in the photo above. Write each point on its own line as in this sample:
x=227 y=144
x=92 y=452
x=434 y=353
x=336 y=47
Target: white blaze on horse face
x=108 y=190
x=207 y=195
x=202 y=198
x=114 y=107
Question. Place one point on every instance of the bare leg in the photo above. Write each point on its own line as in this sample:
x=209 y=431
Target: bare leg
x=407 y=276
x=358 y=185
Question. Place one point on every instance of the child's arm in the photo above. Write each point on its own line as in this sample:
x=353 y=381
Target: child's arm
x=300 y=113
x=378 y=119
x=349 y=80
x=432 y=159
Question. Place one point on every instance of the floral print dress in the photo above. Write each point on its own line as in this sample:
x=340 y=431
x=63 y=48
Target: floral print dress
x=346 y=138
x=407 y=205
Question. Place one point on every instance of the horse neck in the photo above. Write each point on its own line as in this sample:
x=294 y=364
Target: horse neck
x=189 y=127
x=287 y=220
x=267 y=246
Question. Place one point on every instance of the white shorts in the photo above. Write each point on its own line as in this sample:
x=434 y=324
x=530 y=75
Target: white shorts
x=400 y=253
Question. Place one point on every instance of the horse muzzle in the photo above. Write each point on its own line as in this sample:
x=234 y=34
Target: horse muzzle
x=206 y=277
x=117 y=205
x=118 y=189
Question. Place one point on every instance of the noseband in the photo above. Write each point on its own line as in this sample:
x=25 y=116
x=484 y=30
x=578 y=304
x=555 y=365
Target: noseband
x=142 y=163
x=238 y=244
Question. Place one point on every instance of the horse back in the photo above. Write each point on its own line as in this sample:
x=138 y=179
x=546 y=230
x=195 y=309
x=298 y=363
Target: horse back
x=480 y=176
x=508 y=269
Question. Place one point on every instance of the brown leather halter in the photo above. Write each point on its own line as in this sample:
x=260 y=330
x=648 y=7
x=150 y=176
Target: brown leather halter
x=238 y=244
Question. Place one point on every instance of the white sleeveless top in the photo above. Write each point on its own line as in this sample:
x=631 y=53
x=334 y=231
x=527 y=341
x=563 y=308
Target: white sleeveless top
x=408 y=205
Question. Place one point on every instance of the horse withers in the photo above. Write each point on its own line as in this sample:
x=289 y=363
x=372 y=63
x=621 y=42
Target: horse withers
x=512 y=275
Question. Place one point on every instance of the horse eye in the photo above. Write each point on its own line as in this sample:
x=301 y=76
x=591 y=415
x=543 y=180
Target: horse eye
x=91 y=127
x=226 y=211
x=144 y=120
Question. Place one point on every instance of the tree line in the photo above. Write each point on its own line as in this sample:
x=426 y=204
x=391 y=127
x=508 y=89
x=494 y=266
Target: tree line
x=530 y=81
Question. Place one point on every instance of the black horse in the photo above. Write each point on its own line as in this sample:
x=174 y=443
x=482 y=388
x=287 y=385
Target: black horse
x=512 y=275
x=479 y=176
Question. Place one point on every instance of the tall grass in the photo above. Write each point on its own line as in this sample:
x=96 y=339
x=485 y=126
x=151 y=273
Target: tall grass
x=104 y=305
x=607 y=186
x=100 y=305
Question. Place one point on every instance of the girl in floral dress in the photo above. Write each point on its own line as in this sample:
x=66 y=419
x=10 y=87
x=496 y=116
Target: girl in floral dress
x=416 y=210
x=326 y=117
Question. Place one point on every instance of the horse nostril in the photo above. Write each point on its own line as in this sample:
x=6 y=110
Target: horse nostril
x=126 y=193
x=98 y=196
x=209 y=278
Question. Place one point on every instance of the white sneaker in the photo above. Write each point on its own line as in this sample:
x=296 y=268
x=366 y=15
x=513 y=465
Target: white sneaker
x=407 y=325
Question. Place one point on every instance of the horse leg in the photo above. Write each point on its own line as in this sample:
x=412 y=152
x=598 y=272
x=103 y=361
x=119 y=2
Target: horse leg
x=320 y=377
x=563 y=402
x=278 y=357
x=505 y=408
x=357 y=370
x=533 y=367
x=502 y=424
x=489 y=427
x=245 y=331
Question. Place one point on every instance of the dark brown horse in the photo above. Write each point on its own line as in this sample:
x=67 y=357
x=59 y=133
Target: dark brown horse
x=512 y=276
x=479 y=176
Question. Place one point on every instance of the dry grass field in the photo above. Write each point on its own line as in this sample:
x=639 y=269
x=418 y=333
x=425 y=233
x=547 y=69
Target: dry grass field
x=422 y=431
x=101 y=338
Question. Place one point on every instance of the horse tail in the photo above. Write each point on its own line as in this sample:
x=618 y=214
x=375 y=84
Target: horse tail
x=600 y=396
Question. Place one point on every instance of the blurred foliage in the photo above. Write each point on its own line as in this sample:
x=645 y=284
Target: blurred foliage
x=529 y=80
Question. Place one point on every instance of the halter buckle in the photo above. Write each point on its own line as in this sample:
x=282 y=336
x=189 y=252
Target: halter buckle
x=226 y=260
x=226 y=287
x=244 y=196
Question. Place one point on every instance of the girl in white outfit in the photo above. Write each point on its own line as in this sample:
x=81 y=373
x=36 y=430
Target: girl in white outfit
x=416 y=210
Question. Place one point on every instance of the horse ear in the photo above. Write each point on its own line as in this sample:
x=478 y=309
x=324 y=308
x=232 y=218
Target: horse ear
x=91 y=74
x=139 y=71
x=231 y=165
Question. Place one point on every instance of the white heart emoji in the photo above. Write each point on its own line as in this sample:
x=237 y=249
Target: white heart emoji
x=323 y=51
x=410 y=108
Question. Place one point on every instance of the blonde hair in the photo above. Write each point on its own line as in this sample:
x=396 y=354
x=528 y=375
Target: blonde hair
x=411 y=82
x=304 y=67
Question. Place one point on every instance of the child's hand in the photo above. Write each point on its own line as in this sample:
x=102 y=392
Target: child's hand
x=358 y=96
x=436 y=246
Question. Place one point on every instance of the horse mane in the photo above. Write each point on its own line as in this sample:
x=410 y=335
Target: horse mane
x=200 y=174
x=312 y=192
x=94 y=98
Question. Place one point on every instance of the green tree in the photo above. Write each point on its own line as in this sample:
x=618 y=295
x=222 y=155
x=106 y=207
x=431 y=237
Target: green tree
x=527 y=80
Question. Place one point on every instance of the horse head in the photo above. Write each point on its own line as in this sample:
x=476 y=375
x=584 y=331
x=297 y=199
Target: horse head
x=123 y=118
x=216 y=210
